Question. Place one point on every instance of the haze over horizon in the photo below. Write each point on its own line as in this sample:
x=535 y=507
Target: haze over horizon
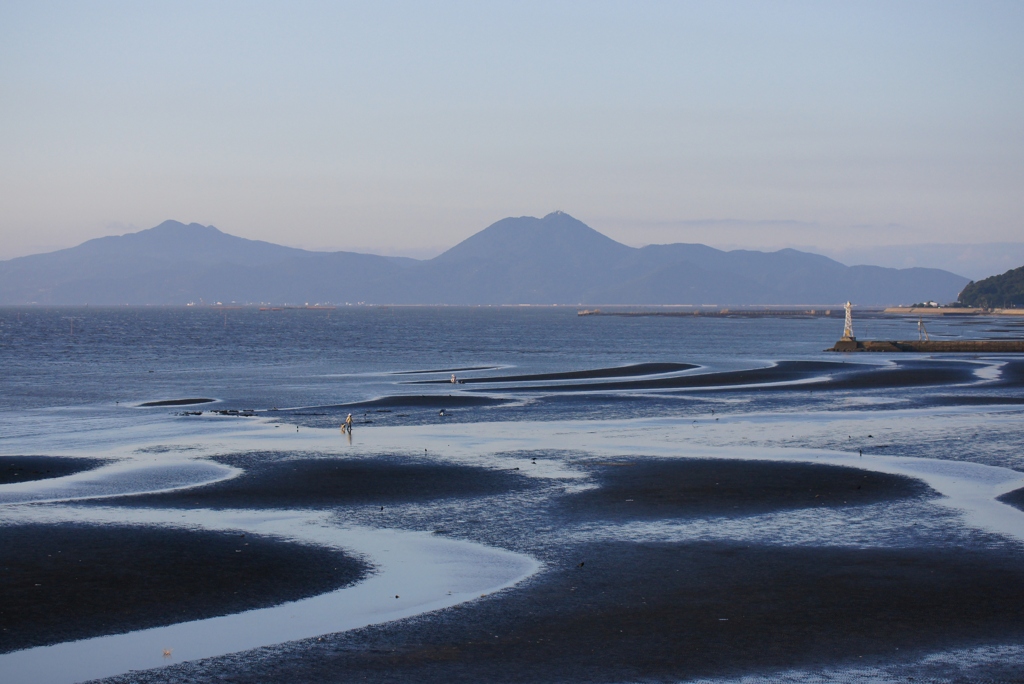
x=402 y=129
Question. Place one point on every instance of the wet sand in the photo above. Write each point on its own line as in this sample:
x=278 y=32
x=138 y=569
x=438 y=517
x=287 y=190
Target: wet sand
x=444 y=370
x=177 y=402
x=421 y=401
x=843 y=376
x=811 y=384
x=1012 y=374
x=612 y=611
x=66 y=582
x=592 y=374
x=906 y=374
x=649 y=489
x=662 y=612
x=27 y=468
x=314 y=483
x=971 y=400
x=784 y=371
x=604 y=608
x=1014 y=498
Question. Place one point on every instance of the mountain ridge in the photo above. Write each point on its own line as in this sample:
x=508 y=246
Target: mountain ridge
x=1005 y=290
x=555 y=259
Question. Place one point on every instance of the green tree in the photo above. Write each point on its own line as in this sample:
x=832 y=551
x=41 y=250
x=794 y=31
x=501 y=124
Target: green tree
x=1004 y=291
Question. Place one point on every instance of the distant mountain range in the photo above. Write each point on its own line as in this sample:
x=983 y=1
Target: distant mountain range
x=552 y=260
x=975 y=261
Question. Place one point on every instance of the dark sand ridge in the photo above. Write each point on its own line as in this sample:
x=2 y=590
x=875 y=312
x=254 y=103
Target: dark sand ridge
x=26 y=468
x=66 y=582
x=906 y=374
x=177 y=402
x=970 y=400
x=669 y=611
x=1014 y=498
x=784 y=371
x=664 y=488
x=1012 y=374
x=318 y=482
x=845 y=376
x=445 y=370
x=556 y=401
x=596 y=373
x=419 y=401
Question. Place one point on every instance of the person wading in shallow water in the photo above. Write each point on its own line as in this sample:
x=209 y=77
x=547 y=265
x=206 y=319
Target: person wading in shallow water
x=347 y=425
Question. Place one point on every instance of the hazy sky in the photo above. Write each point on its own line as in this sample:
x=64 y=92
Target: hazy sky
x=404 y=127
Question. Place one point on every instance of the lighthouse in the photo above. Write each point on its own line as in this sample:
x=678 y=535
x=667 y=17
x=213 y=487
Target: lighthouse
x=848 y=342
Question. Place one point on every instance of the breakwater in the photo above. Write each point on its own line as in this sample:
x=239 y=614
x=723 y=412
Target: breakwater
x=933 y=346
x=951 y=311
x=742 y=313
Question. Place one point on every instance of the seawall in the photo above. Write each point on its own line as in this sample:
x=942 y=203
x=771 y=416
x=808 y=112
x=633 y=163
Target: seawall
x=963 y=346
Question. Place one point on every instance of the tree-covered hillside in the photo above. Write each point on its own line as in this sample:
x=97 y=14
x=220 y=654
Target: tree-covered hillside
x=998 y=292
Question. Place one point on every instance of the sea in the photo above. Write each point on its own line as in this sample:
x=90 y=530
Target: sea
x=160 y=392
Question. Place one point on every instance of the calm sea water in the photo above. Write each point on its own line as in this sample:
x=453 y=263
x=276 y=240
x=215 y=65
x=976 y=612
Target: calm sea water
x=87 y=368
x=252 y=359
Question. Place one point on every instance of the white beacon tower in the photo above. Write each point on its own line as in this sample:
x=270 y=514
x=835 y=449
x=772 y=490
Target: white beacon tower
x=848 y=328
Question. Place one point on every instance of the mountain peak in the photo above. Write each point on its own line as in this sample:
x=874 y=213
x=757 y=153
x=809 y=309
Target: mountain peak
x=172 y=226
x=556 y=233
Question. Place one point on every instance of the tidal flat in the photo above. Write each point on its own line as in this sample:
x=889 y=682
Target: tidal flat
x=609 y=500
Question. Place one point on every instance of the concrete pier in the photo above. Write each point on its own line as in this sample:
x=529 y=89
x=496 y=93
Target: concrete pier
x=931 y=346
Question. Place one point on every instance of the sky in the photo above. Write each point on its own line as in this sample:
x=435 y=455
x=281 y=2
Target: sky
x=405 y=127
